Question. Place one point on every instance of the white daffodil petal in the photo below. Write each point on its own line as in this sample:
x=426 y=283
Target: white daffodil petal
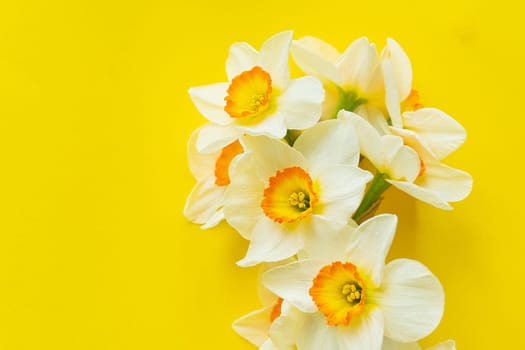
x=243 y=196
x=254 y=326
x=317 y=58
x=328 y=143
x=242 y=57
x=326 y=241
x=342 y=188
x=270 y=242
x=364 y=333
x=268 y=345
x=301 y=103
x=369 y=139
x=446 y=345
x=442 y=133
x=411 y=299
x=204 y=201
x=391 y=94
x=402 y=68
x=273 y=125
x=404 y=165
x=285 y=329
x=316 y=334
x=452 y=184
x=209 y=100
x=389 y=344
x=214 y=137
x=214 y=220
x=293 y=281
x=423 y=194
x=271 y=155
x=274 y=58
x=201 y=165
x=374 y=117
x=353 y=62
x=371 y=244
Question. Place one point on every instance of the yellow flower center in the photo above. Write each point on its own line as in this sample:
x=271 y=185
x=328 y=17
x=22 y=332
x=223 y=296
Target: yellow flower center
x=222 y=164
x=290 y=196
x=249 y=93
x=412 y=102
x=339 y=293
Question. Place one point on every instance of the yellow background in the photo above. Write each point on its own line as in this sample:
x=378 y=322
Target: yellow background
x=94 y=118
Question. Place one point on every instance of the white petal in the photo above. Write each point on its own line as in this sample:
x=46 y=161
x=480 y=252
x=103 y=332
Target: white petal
x=365 y=332
x=293 y=281
x=411 y=299
x=389 y=344
x=440 y=132
x=393 y=103
x=423 y=194
x=205 y=199
x=317 y=58
x=274 y=58
x=201 y=165
x=254 y=326
x=354 y=62
x=452 y=184
x=242 y=57
x=214 y=220
x=404 y=164
x=326 y=241
x=316 y=334
x=209 y=100
x=271 y=155
x=268 y=345
x=446 y=345
x=401 y=67
x=271 y=125
x=374 y=116
x=369 y=139
x=287 y=327
x=301 y=103
x=242 y=199
x=214 y=137
x=341 y=190
x=371 y=244
x=329 y=143
x=271 y=241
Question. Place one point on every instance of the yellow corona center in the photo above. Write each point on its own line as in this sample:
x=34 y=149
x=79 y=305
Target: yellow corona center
x=276 y=310
x=249 y=93
x=290 y=196
x=412 y=102
x=222 y=164
x=339 y=293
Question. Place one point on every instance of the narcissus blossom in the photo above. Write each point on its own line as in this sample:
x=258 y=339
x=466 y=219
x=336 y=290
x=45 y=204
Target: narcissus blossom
x=259 y=98
x=205 y=201
x=409 y=165
x=356 y=79
x=438 y=131
x=392 y=345
x=282 y=198
x=344 y=297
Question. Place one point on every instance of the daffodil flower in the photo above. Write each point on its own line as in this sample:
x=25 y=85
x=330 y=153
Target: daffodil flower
x=344 y=297
x=392 y=345
x=259 y=98
x=205 y=201
x=353 y=80
x=255 y=326
x=404 y=161
x=281 y=198
x=441 y=133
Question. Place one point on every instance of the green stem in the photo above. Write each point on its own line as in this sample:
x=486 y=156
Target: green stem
x=372 y=197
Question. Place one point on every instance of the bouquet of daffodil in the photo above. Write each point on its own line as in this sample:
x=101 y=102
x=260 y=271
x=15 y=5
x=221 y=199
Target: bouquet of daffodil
x=299 y=166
